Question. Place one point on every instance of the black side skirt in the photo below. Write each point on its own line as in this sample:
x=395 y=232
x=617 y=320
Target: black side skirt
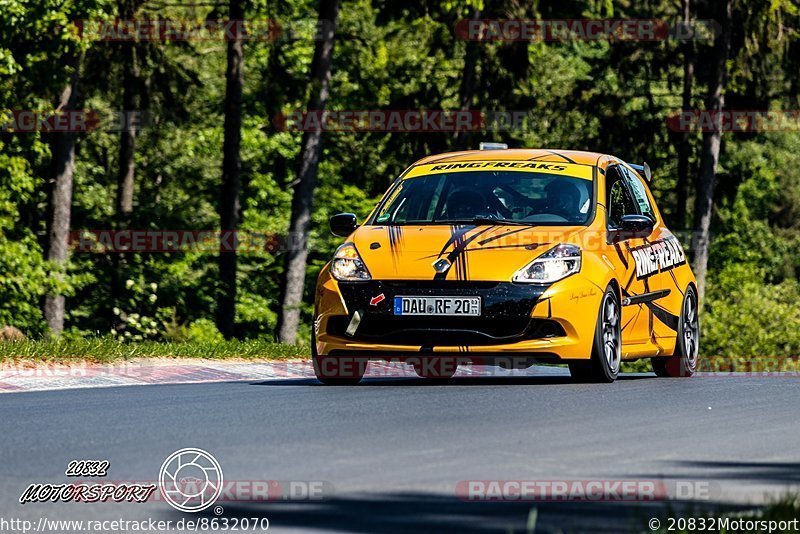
x=645 y=297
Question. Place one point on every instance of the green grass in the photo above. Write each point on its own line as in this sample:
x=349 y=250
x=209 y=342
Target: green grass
x=102 y=349
x=728 y=364
x=105 y=350
x=784 y=509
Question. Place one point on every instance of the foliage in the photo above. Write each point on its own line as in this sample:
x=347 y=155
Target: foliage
x=200 y=331
x=137 y=320
x=747 y=317
x=22 y=282
x=752 y=299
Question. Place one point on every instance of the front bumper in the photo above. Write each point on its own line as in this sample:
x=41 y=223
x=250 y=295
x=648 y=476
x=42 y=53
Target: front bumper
x=546 y=323
x=506 y=316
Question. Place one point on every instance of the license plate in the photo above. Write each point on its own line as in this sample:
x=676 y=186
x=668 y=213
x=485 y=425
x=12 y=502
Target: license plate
x=461 y=306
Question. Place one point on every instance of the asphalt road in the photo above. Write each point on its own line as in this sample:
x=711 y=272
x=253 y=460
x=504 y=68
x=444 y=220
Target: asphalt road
x=391 y=452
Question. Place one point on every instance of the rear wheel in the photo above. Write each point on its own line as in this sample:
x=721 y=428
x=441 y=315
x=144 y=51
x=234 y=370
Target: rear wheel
x=607 y=348
x=683 y=363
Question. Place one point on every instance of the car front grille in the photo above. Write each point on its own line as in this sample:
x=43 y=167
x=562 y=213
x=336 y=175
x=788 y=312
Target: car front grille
x=505 y=314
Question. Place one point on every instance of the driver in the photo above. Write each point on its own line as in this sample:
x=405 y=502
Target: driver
x=562 y=198
x=465 y=204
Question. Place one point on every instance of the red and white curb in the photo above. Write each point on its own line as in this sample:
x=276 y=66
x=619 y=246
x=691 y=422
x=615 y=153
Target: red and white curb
x=63 y=376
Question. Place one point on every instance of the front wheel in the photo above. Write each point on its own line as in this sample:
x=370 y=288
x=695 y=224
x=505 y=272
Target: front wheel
x=339 y=370
x=683 y=363
x=607 y=348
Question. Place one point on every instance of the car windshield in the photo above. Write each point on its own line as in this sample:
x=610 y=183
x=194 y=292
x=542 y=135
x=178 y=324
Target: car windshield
x=485 y=196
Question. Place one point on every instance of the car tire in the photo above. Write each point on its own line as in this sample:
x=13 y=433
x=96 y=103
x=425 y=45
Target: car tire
x=604 y=364
x=337 y=370
x=580 y=371
x=436 y=369
x=683 y=363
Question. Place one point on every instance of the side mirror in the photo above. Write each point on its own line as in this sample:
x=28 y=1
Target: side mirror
x=343 y=224
x=644 y=171
x=635 y=226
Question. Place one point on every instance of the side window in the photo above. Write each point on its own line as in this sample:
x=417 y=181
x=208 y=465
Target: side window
x=640 y=195
x=619 y=200
x=391 y=205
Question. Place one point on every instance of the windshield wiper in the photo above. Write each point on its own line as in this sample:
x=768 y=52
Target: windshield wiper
x=499 y=222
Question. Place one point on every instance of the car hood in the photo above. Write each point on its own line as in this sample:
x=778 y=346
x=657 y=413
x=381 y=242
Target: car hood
x=486 y=253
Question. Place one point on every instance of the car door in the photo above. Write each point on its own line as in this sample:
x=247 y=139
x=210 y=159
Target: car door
x=662 y=253
x=636 y=320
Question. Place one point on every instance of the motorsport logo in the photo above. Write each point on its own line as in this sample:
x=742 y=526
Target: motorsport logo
x=87 y=492
x=190 y=480
x=658 y=256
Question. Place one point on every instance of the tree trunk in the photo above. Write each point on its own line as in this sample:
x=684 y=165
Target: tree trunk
x=297 y=251
x=127 y=138
x=127 y=152
x=704 y=200
x=467 y=88
x=229 y=207
x=62 y=148
x=685 y=149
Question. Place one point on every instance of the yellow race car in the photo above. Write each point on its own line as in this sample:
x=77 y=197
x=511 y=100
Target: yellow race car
x=508 y=257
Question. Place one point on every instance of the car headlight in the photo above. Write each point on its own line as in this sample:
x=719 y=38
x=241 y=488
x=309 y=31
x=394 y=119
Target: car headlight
x=555 y=264
x=347 y=265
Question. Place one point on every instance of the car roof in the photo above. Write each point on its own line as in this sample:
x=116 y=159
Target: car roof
x=519 y=154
